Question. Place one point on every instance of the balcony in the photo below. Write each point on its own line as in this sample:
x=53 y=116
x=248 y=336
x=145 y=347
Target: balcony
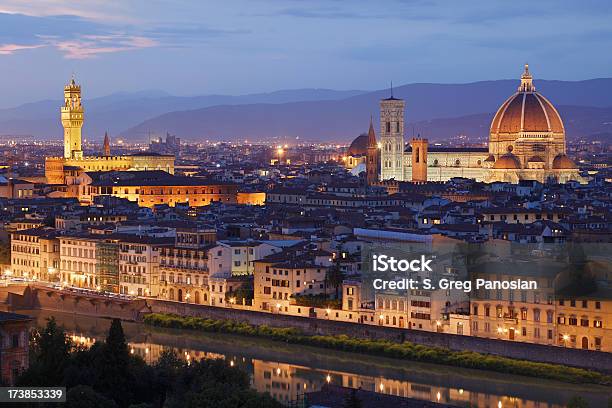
x=510 y=318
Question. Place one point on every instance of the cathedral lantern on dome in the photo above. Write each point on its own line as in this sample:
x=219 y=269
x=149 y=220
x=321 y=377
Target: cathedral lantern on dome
x=527 y=139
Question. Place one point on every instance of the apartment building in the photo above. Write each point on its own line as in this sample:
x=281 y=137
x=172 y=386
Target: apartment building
x=280 y=277
x=184 y=273
x=585 y=323
x=78 y=261
x=238 y=256
x=139 y=265
x=35 y=254
x=420 y=309
x=516 y=315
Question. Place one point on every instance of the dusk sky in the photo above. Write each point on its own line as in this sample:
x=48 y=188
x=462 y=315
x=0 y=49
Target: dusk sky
x=245 y=46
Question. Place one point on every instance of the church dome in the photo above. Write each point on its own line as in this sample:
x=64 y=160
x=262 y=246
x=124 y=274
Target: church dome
x=563 y=162
x=359 y=146
x=508 y=161
x=527 y=111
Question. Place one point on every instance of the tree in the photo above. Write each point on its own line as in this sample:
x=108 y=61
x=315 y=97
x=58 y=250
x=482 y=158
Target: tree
x=50 y=352
x=167 y=370
x=112 y=367
x=577 y=402
x=351 y=400
x=116 y=345
x=83 y=396
x=334 y=275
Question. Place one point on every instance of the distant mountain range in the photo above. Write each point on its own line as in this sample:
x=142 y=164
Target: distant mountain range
x=436 y=111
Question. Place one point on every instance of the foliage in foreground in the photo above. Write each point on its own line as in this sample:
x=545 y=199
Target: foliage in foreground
x=406 y=350
x=108 y=376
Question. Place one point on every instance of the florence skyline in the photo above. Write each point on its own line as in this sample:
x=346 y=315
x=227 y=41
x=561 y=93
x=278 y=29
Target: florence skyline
x=194 y=49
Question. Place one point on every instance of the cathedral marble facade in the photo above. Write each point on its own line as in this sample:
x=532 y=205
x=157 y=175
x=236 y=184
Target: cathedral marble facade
x=526 y=142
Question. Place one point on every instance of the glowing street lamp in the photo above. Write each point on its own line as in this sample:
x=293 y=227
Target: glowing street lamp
x=280 y=152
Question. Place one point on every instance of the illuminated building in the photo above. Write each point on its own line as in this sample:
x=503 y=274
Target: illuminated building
x=150 y=188
x=35 y=254
x=527 y=139
x=57 y=169
x=526 y=142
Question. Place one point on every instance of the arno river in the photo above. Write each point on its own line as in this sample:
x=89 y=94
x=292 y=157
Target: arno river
x=286 y=370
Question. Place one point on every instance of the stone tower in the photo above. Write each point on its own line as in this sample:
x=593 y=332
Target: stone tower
x=106 y=144
x=419 y=159
x=372 y=158
x=72 y=121
x=392 y=138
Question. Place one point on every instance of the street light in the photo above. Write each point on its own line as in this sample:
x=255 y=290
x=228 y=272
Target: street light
x=280 y=152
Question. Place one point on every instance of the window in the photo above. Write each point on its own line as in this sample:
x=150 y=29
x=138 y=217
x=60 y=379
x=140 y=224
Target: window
x=597 y=343
x=598 y=323
x=536 y=315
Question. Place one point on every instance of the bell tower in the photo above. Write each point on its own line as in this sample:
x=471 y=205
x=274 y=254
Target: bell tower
x=392 y=138
x=72 y=120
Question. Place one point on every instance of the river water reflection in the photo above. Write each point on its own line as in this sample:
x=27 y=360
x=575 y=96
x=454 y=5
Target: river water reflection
x=287 y=370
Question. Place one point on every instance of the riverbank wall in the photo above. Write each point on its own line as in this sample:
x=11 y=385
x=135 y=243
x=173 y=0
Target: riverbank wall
x=32 y=297
x=589 y=359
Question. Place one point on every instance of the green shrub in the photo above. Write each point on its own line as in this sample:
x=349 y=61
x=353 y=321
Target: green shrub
x=386 y=348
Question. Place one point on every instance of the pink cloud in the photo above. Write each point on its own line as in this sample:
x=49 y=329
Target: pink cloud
x=7 y=49
x=87 y=46
x=92 y=46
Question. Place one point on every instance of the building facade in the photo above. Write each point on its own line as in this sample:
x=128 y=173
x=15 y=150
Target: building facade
x=14 y=346
x=526 y=142
x=72 y=116
x=35 y=254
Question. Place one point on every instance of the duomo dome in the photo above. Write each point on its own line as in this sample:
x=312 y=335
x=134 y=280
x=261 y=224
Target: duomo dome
x=527 y=138
x=529 y=124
